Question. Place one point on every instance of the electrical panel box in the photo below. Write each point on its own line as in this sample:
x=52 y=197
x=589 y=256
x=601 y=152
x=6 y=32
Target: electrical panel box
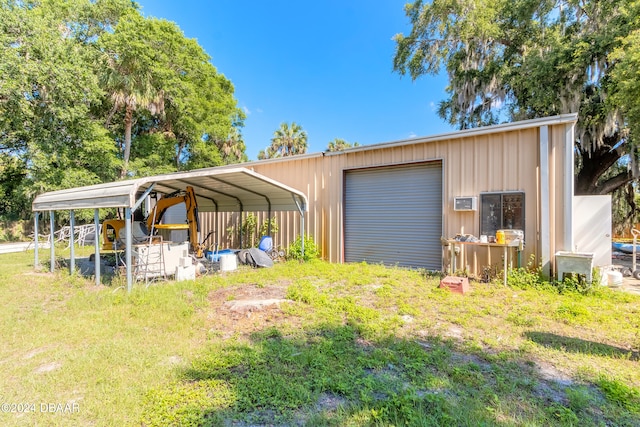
x=465 y=203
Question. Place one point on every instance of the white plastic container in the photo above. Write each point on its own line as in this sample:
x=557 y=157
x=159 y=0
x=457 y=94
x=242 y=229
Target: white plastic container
x=614 y=278
x=511 y=235
x=185 y=273
x=228 y=262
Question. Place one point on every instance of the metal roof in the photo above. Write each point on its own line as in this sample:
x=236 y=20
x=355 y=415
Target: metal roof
x=217 y=190
x=464 y=133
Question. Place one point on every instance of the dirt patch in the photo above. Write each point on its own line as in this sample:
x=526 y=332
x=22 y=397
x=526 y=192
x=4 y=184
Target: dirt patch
x=34 y=352
x=247 y=308
x=48 y=367
x=329 y=402
x=38 y=274
x=549 y=372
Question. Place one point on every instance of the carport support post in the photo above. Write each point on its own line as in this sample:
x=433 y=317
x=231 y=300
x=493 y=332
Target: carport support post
x=301 y=208
x=72 y=243
x=52 y=240
x=302 y=234
x=36 y=261
x=96 y=220
x=241 y=233
x=269 y=221
x=127 y=223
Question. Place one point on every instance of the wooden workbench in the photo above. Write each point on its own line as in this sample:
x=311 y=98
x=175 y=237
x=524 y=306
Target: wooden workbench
x=515 y=246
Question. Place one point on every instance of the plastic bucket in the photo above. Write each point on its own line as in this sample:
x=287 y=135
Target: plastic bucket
x=228 y=262
x=266 y=243
x=614 y=278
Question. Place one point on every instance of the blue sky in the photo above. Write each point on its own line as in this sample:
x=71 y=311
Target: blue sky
x=326 y=65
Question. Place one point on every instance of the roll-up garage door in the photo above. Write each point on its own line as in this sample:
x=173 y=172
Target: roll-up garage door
x=393 y=215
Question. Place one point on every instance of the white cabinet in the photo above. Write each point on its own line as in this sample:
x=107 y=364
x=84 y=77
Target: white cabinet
x=158 y=259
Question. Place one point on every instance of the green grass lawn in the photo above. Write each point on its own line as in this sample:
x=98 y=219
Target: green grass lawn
x=353 y=345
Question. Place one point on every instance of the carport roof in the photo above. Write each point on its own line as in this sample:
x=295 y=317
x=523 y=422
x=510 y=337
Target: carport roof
x=217 y=190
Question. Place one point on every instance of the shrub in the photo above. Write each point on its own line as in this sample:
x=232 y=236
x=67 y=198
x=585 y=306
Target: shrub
x=311 y=250
x=574 y=283
x=251 y=232
x=530 y=277
x=527 y=277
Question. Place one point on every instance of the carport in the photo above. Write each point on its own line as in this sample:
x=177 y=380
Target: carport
x=217 y=190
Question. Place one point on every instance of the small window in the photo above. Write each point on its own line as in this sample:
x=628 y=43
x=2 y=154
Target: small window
x=501 y=211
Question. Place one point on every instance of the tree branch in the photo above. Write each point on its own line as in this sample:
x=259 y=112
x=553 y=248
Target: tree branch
x=614 y=183
x=599 y=161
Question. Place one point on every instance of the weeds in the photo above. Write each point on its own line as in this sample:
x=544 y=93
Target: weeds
x=531 y=277
x=311 y=250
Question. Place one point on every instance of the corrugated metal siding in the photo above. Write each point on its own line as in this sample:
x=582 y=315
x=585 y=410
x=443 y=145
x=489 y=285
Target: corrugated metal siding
x=393 y=215
x=558 y=196
x=305 y=174
x=504 y=160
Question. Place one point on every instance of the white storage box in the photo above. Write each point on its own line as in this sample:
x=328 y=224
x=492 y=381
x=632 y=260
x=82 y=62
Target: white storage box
x=511 y=235
x=228 y=262
x=158 y=260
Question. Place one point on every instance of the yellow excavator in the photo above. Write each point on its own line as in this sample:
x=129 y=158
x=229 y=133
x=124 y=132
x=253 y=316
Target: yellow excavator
x=113 y=229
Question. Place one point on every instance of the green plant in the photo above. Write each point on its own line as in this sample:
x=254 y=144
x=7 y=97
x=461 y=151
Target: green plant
x=620 y=393
x=526 y=278
x=311 y=250
x=579 y=398
x=14 y=231
x=187 y=404
x=563 y=415
x=251 y=232
x=264 y=228
x=574 y=283
x=248 y=230
x=529 y=277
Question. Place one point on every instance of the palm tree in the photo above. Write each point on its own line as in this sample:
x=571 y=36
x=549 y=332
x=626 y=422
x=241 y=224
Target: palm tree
x=128 y=76
x=340 y=144
x=288 y=140
x=233 y=148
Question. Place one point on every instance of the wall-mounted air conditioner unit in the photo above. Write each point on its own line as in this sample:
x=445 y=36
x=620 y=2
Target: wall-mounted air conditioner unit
x=465 y=203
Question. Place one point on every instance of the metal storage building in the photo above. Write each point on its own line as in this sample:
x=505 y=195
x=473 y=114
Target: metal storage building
x=392 y=202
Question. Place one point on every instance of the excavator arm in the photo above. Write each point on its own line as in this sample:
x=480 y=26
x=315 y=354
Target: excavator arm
x=111 y=228
x=193 y=221
x=188 y=197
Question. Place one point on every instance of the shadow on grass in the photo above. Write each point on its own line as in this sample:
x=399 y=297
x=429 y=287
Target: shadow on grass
x=319 y=377
x=112 y=270
x=331 y=375
x=578 y=345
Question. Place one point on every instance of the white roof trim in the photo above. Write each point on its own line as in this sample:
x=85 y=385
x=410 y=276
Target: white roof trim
x=217 y=190
x=465 y=133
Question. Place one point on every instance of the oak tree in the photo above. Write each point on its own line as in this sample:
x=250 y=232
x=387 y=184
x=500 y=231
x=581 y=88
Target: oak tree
x=521 y=59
